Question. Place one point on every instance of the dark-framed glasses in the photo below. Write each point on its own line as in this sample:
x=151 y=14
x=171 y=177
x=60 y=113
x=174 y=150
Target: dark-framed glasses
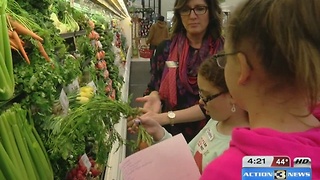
x=221 y=58
x=209 y=98
x=198 y=10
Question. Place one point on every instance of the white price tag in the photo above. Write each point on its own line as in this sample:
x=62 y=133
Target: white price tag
x=73 y=87
x=92 y=84
x=84 y=161
x=64 y=101
x=99 y=44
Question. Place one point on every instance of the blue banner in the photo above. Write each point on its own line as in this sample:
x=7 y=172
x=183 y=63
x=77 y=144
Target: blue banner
x=276 y=173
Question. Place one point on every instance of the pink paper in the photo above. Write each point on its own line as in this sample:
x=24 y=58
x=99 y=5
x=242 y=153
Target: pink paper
x=168 y=160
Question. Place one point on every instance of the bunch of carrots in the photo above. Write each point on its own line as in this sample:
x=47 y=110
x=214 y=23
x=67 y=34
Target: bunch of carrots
x=15 y=29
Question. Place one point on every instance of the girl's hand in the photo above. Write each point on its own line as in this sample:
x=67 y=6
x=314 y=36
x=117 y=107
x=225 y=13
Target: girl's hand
x=151 y=126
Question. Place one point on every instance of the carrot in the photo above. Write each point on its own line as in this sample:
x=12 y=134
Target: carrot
x=43 y=52
x=14 y=48
x=12 y=43
x=144 y=140
x=143 y=145
x=10 y=33
x=17 y=40
x=23 y=30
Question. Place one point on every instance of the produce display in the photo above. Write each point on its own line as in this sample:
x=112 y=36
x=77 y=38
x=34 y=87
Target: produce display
x=60 y=88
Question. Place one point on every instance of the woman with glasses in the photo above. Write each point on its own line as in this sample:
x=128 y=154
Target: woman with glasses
x=196 y=34
x=272 y=69
x=215 y=137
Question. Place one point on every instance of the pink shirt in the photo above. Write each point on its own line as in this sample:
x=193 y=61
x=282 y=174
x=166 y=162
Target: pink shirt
x=264 y=142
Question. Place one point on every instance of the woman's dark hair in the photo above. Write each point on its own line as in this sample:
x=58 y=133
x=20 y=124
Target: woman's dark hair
x=214 y=26
x=210 y=70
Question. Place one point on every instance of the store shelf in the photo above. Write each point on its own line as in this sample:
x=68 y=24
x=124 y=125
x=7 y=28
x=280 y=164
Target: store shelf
x=118 y=154
x=73 y=34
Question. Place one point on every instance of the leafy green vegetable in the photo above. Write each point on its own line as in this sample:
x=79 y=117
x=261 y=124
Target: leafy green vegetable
x=94 y=120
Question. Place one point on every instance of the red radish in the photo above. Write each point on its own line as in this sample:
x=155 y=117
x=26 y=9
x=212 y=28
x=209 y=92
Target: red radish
x=96 y=35
x=104 y=63
x=92 y=35
x=82 y=169
x=101 y=65
x=110 y=82
x=91 y=24
x=107 y=89
x=95 y=172
x=73 y=172
x=112 y=96
x=98 y=56
x=113 y=93
x=93 y=163
x=103 y=53
x=106 y=74
x=79 y=175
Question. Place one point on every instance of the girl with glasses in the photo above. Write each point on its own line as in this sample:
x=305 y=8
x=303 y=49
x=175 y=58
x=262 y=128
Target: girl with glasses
x=225 y=115
x=272 y=69
x=196 y=34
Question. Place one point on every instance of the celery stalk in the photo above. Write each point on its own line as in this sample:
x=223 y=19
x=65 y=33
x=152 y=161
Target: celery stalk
x=40 y=165
x=7 y=50
x=24 y=153
x=41 y=152
x=1 y=36
x=10 y=116
x=6 y=64
x=5 y=140
x=37 y=138
x=6 y=165
x=6 y=91
x=2 y=175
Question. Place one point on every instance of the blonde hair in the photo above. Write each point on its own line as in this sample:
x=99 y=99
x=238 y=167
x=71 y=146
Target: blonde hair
x=285 y=34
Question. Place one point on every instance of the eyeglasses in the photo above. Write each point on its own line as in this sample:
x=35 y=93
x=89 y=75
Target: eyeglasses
x=209 y=98
x=221 y=58
x=199 y=10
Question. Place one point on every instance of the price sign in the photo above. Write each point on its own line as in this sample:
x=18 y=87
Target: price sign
x=92 y=84
x=64 y=101
x=84 y=161
x=73 y=87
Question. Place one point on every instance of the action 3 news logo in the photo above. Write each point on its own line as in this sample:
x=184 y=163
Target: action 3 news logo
x=280 y=174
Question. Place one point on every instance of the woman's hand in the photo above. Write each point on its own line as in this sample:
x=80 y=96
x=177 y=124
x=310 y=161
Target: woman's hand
x=151 y=102
x=151 y=126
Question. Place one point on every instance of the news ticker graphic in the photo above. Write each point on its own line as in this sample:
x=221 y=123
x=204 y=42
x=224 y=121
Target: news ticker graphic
x=275 y=161
x=276 y=167
x=283 y=173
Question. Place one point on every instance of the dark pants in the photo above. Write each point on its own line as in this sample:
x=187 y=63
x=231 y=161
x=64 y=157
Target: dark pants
x=152 y=47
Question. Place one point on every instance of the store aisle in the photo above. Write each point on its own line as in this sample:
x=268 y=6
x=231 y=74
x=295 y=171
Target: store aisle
x=139 y=78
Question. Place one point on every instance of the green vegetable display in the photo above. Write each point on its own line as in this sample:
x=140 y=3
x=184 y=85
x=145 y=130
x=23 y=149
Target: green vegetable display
x=57 y=138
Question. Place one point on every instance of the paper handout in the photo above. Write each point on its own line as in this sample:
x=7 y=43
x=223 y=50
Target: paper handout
x=168 y=160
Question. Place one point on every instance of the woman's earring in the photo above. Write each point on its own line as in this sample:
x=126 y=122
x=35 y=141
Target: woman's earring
x=233 y=108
